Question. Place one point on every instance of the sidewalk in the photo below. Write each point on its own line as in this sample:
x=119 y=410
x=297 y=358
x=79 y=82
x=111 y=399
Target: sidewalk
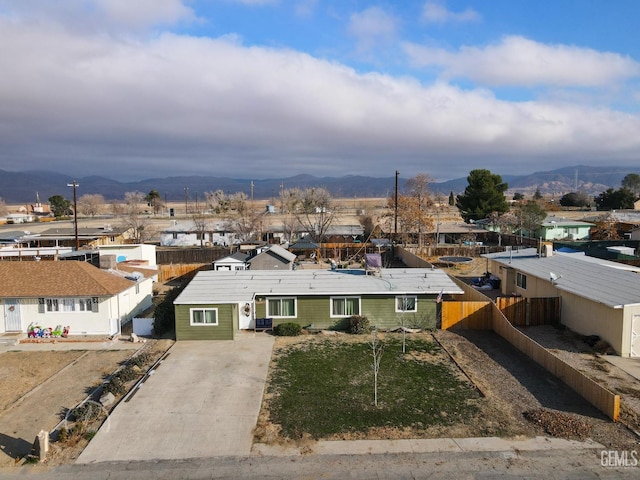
x=431 y=445
x=79 y=343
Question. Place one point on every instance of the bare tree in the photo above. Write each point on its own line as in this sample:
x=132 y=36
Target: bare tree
x=133 y=201
x=3 y=208
x=138 y=228
x=414 y=208
x=239 y=214
x=218 y=201
x=315 y=212
x=91 y=204
x=245 y=220
x=289 y=200
x=201 y=226
x=377 y=348
x=605 y=228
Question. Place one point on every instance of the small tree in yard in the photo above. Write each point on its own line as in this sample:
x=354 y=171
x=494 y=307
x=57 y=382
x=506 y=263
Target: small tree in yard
x=377 y=348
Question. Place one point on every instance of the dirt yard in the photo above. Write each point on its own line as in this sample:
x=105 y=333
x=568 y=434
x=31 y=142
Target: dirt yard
x=38 y=387
x=519 y=398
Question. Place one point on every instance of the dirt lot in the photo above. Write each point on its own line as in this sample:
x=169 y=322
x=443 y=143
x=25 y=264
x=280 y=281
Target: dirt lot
x=38 y=387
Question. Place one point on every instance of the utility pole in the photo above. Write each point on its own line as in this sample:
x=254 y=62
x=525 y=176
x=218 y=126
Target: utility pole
x=186 y=197
x=395 y=216
x=75 y=185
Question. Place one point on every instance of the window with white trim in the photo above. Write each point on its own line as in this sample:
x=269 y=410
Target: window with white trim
x=344 y=306
x=283 y=307
x=203 y=317
x=52 y=305
x=521 y=280
x=406 y=303
x=84 y=305
x=67 y=305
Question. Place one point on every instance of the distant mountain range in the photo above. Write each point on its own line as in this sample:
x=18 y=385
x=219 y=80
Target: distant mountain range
x=21 y=187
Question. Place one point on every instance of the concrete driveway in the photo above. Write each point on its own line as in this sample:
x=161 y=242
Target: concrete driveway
x=202 y=401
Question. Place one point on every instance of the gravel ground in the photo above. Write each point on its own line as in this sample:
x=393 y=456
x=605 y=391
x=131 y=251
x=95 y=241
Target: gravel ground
x=571 y=348
x=520 y=388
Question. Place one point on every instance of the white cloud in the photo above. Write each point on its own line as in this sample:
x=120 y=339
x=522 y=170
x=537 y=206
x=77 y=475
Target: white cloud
x=371 y=26
x=518 y=61
x=433 y=12
x=177 y=105
x=305 y=8
x=93 y=15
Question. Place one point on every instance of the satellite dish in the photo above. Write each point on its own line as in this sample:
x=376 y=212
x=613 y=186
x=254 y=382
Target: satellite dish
x=553 y=277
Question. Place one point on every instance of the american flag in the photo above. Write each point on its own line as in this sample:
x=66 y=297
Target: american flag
x=439 y=299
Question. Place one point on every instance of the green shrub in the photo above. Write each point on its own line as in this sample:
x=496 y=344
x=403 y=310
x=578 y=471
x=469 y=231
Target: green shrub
x=287 y=330
x=359 y=325
x=164 y=314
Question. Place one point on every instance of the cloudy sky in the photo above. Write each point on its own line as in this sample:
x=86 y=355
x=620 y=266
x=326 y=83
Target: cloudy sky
x=133 y=89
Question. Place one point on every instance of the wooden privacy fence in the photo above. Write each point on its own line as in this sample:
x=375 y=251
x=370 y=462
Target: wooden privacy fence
x=522 y=311
x=169 y=272
x=599 y=396
x=471 y=315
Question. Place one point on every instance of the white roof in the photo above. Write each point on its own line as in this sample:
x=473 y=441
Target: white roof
x=595 y=279
x=211 y=287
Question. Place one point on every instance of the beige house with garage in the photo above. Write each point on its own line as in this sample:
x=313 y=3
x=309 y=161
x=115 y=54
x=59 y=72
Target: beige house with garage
x=598 y=297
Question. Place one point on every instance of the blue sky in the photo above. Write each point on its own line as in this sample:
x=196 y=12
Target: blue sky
x=274 y=88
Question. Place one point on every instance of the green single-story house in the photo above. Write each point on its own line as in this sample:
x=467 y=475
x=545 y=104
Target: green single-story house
x=216 y=305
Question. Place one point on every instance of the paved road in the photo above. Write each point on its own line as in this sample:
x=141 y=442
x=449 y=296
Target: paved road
x=202 y=401
x=547 y=464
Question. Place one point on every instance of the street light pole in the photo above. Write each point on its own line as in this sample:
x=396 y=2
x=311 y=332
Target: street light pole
x=395 y=219
x=75 y=185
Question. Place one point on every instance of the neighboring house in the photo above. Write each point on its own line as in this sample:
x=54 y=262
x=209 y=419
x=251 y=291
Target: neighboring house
x=217 y=305
x=233 y=262
x=598 y=297
x=76 y=294
x=87 y=237
x=129 y=252
x=20 y=218
x=556 y=228
x=187 y=234
x=273 y=258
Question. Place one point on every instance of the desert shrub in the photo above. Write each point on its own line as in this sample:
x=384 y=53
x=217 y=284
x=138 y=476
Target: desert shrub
x=287 y=329
x=115 y=386
x=126 y=374
x=86 y=412
x=359 y=324
x=142 y=359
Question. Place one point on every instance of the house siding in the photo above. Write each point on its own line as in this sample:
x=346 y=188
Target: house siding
x=379 y=309
x=223 y=331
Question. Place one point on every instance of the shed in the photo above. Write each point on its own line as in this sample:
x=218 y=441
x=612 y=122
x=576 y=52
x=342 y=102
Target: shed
x=273 y=258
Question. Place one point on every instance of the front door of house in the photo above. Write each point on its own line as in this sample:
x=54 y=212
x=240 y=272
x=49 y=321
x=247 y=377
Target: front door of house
x=12 y=320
